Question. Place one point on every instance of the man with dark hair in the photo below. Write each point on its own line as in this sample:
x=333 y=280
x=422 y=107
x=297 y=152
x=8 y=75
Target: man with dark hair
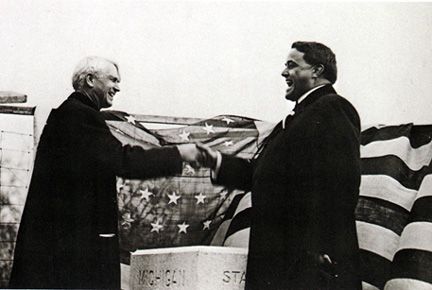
x=316 y=53
x=68 y=237
x=304 y=183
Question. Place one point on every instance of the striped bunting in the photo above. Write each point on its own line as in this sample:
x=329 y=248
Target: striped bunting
x=414 y=158
x=394 y=212
x=395 y=198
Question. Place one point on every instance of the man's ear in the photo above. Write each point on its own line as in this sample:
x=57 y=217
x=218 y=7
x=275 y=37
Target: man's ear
x=317 y=70
x=90 y=80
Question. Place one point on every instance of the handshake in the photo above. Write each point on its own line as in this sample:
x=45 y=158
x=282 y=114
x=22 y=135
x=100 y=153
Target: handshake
x=198 y=155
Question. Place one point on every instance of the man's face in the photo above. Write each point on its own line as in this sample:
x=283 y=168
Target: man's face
x=106 y=85
x=298 y=75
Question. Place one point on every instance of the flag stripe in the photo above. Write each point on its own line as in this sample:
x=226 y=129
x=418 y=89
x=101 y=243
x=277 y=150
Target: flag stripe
x=240 y=222
x=413 y=264
x=233 y=206
x=417 y=235
x=422 y=210
x=245 y=202
x=377 y=239
x=239 y=240
x=387 y=188
x=375 y=270
x=419 y=135
x=396 y=168
x=385 y=133
x=219 y=237
x=382 y=213
x=415 y=159
x=367 y=286
x=426 y=187
x=407 y=284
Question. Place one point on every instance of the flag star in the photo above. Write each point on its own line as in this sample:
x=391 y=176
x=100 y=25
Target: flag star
x=206 y=225
x=189 y=169
x=183 y=227
x=208 y=128
x=127 y=219
x=227 y=120
x=184 y=136
x=130 y=119
x=156 y=227
x=146 y=194
x=173 y=198
x=228 y=143
x=200 y=198
x=223 y=194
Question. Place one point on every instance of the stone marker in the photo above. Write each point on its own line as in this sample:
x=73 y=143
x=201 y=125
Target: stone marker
x=189 y=268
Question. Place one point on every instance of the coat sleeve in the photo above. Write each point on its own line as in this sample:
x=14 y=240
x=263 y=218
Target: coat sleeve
x=235 y=173
x=92 y=141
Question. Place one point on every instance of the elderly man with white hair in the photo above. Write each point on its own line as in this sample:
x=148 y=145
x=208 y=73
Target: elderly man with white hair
x=68 y=237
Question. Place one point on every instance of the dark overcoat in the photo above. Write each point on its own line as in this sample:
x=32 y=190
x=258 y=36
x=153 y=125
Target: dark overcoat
x=68 y=237
x=305 y=186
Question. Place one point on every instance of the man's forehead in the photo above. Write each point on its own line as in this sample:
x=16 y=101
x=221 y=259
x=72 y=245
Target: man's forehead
x=110 y=70
x=295 y=56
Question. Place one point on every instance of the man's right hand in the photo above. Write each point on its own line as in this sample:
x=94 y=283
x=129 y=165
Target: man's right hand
x=210 y=155
x=192 y=155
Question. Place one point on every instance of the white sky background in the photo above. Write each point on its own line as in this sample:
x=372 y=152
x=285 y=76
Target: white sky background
x=202 y=59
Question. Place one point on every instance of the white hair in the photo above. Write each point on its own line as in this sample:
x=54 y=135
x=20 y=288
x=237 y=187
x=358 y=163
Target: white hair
x=89 y=65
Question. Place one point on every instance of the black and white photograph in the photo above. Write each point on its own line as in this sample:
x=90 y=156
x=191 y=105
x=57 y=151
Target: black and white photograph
x=215 y=145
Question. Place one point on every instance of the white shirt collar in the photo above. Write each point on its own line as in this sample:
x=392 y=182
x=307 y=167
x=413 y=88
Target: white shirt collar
x=300 y=100
x=308 y=93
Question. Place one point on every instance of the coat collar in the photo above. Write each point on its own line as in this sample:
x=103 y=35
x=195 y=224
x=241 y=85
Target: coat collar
x=83 y=99
x=327 y=89
x=312 y=97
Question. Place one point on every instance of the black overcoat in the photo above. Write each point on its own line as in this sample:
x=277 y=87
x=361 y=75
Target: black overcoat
x=68 y=237
x=305 y=186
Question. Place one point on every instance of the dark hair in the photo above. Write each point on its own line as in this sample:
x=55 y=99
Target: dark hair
x=317 y=53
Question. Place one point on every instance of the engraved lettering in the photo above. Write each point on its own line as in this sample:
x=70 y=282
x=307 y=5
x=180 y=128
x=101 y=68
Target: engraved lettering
x=227 y=277
x=168 y=278
x=243 y=278
x=141 y=277
x=161 y=277
x=151 y=278
x=182 y=276
x=234 y=277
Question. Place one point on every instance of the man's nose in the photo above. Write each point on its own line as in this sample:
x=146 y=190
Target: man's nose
x=117 y=88
x=285 y=72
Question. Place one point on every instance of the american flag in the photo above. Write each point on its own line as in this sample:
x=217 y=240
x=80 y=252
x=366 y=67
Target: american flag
x=186 y=209
x=394 y=213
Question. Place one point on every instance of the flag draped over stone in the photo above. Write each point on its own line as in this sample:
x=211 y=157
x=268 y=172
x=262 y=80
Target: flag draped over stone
x=394 y=213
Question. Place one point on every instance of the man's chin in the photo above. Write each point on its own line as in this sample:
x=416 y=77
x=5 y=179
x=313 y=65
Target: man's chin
x=106 y=105
x=290 y=97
